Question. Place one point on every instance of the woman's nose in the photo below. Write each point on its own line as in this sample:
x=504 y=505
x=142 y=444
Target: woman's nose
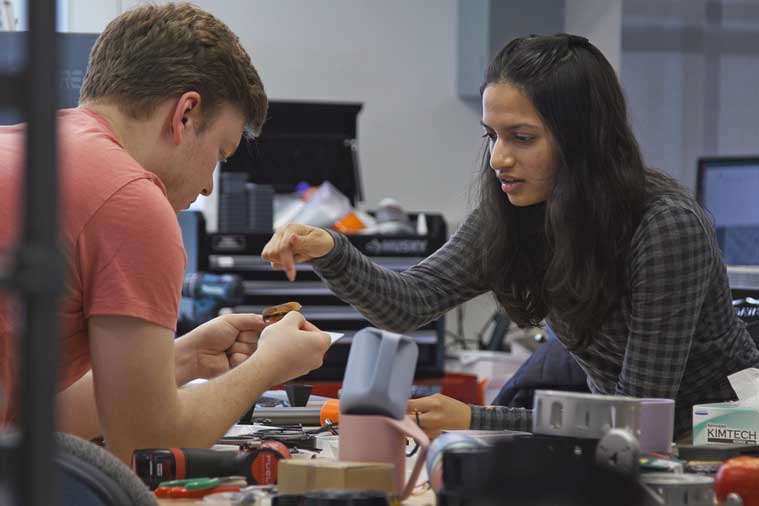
x=500 y=160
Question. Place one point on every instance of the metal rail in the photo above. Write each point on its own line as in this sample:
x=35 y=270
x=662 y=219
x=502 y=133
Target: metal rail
x=36 y=271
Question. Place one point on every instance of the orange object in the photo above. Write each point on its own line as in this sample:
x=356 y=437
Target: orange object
x=349 y=224
x=739 y=476
x=180 y=463
x=265 y=466
x=330 y=410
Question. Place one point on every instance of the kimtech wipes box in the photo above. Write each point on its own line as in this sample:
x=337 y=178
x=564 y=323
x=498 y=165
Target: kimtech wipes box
x=730 y=422
x=725 y=422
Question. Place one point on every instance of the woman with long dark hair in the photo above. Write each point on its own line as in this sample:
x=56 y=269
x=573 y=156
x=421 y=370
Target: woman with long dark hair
x=571 y=228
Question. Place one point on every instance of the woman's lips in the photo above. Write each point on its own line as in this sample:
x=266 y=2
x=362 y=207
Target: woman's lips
x=509 y=185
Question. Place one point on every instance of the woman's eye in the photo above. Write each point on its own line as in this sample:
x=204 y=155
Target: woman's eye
x=523 y=138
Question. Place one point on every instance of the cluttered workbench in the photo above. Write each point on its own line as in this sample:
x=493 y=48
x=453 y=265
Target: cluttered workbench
x=425 y=499
x=669 y=481
x=583 y=449
x=369 y=452
x=422 y=496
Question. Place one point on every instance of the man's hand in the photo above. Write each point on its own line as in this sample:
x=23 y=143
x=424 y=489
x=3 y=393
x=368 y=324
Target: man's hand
x=438 y=412
x=218 y=345
x=138 y=403
x=290 y=348
x=295 y=243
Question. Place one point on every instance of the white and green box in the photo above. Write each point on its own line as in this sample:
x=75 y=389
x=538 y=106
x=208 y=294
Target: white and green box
x=725 y=422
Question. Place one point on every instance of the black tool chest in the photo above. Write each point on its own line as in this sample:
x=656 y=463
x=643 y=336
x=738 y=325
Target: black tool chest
x=313 y=143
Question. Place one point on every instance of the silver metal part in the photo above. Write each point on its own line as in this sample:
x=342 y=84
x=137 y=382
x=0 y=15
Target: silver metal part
x=619 y=450
x=682 y=489
x=583 y=415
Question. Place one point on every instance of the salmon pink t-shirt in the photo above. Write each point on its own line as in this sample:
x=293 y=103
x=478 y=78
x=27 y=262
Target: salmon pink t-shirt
x=120 y=238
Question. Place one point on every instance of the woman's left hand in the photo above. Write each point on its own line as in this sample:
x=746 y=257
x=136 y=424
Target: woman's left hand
x=439 y=412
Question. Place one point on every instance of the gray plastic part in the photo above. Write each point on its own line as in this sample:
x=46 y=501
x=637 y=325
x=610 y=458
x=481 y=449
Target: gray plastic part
x=379 y=374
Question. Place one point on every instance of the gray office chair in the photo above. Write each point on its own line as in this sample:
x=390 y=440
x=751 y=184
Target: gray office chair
x=89 y=475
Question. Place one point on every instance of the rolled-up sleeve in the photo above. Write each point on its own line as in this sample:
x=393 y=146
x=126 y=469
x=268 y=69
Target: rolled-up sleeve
x=500 y=418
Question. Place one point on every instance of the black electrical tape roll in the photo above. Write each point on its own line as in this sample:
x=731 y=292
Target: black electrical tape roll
x=287 y=500
x=340 y=497
x=467 y=470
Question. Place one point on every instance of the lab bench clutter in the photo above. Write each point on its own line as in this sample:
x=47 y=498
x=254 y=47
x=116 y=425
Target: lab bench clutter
x=365 y=449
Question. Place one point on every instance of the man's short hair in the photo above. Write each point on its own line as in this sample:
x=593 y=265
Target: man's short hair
x=156 y=52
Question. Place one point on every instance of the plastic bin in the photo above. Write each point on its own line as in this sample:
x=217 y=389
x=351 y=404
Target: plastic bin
x=494 y=368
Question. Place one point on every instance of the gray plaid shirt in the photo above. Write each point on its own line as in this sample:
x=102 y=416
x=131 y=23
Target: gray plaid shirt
x=675 y=336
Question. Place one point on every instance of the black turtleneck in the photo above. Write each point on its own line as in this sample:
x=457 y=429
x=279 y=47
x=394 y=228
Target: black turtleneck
x=530 y=222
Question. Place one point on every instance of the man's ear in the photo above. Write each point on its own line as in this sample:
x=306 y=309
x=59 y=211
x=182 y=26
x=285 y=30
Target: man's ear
x=186 y=116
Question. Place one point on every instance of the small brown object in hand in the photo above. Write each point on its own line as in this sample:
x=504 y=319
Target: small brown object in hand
x=275 y=313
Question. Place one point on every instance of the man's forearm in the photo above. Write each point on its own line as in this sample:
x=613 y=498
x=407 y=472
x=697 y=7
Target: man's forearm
x=211 y=408
x=185 y=360
x=77 y=411
x=201 y=414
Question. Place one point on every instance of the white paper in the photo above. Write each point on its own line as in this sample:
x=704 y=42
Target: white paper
x=335 y=337
x=746 y=386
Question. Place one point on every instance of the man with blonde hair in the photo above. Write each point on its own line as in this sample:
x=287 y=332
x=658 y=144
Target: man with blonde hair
x=168 y=93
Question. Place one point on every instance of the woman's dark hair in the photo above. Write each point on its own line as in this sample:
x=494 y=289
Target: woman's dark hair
x=579 y=270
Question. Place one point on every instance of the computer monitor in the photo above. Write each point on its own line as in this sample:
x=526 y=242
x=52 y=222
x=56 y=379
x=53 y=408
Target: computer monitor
x=744 y=286
x=728 y=187
x=73 y=56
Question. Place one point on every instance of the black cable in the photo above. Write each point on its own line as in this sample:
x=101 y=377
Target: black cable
x=414 y=450
x=328 y=427
x=416 y=447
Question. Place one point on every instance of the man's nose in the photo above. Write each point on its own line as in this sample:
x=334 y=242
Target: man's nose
x=208 y=189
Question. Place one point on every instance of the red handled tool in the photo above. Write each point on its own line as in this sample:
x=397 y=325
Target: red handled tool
x=258 y=466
